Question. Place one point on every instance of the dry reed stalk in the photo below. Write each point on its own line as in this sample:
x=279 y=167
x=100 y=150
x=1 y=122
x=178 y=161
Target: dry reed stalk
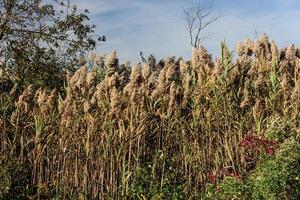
x=186 y=111
x=112 y=63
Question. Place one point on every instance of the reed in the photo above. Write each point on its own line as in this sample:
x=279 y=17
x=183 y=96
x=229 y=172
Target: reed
x=181 y=121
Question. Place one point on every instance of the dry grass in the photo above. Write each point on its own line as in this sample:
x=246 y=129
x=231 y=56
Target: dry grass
x=96 y=136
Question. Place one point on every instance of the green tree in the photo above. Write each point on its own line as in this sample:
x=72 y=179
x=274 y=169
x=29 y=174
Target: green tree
x=39 y=40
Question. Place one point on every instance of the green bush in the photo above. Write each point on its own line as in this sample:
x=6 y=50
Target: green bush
x=229 y=188
x=276 y=177
x=158 y=181
x=14 y=180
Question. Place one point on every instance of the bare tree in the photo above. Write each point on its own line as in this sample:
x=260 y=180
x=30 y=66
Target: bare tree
x=198 y=19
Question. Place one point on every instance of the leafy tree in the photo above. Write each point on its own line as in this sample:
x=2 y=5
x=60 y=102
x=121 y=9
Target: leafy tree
x=39 y=40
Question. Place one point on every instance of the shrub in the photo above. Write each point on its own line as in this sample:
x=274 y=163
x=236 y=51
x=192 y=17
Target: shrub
x=15 y=180
x=276 y=177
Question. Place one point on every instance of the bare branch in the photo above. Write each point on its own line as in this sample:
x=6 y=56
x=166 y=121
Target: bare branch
x=198 y=19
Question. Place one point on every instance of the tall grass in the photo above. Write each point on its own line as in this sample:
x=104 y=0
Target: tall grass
x=120 y=132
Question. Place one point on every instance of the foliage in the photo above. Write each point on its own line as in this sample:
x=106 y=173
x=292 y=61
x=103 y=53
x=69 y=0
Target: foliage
x=157 y=181
x=275 y=177
x=15 y=180
x=40 y=40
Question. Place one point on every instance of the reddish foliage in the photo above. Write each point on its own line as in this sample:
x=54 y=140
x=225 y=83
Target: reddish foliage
x=252 y=146
x=212 y=178
x=255 y=144
x=269 y=150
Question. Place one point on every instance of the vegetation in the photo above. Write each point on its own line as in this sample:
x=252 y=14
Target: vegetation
x=39 y=41
x=201 y=129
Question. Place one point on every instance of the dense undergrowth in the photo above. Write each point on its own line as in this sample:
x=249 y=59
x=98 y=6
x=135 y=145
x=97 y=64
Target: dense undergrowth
x=201 y=129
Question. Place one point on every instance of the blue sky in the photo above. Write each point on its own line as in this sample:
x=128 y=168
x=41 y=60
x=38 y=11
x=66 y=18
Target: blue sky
x=158 y=27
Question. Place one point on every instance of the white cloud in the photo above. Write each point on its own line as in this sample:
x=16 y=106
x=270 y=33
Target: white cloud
x=158 y=27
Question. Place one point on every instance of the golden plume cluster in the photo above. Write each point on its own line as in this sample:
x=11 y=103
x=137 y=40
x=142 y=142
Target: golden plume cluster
x=113 y=119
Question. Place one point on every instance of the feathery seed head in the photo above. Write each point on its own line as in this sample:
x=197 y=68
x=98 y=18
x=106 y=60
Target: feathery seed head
x=146 y=73
x=172 y=96
x=257 y=47
x=274 y=50
x=226 y=52
x=265 y=40
x=161 y=85
x=200 y=57
x=249 y=45
x=41 y=96
x=115 y=101
x=240 y=48
x=112 y=62
x=290 y=52
x=136 y=77
x=113 y=80
x=171 y=72
x=80 y=76
x=183 y=67
x=90 y=78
